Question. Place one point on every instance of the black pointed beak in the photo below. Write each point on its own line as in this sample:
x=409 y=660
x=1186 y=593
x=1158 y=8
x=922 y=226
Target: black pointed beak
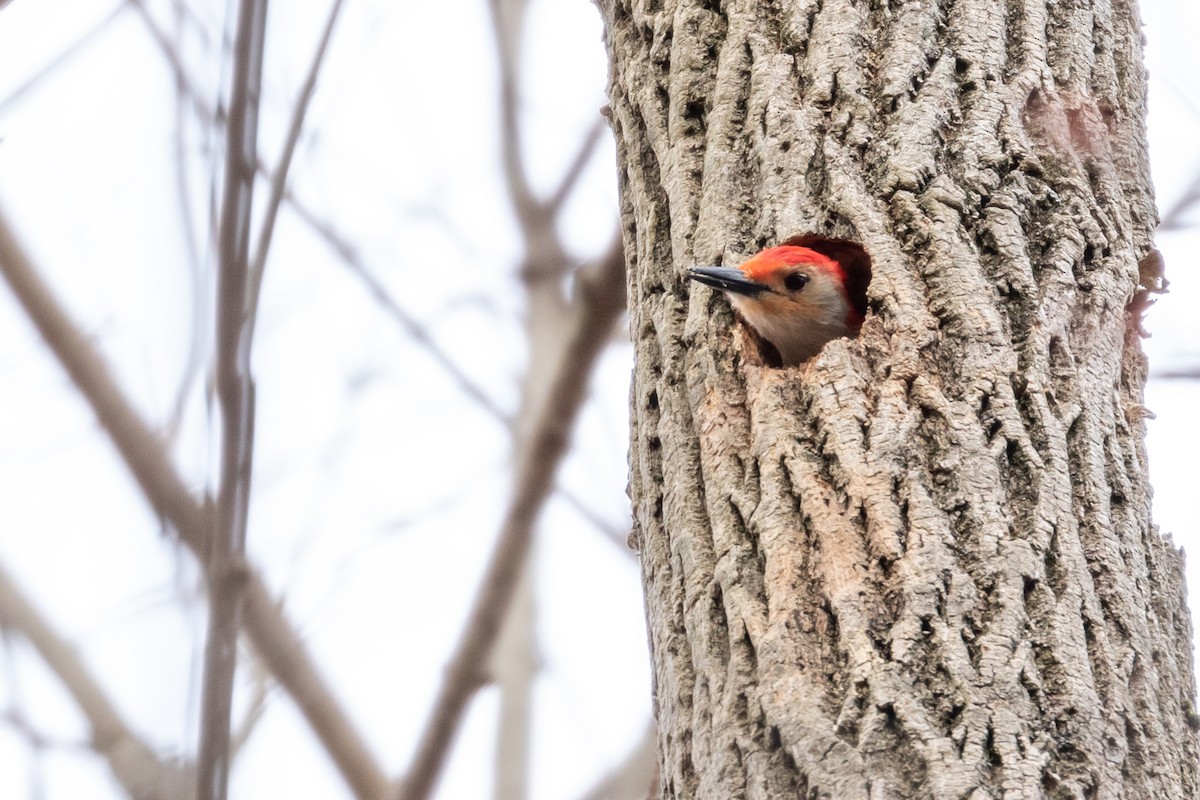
x=730 y=279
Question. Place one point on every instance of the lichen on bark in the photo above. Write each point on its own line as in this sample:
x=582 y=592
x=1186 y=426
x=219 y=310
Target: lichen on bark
x=923 y=564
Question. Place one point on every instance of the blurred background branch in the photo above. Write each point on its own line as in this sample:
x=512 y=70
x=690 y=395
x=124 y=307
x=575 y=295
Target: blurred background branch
x=565 y=305
x=437 y=206
x=130 y=758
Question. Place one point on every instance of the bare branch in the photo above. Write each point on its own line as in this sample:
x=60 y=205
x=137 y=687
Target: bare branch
x=547 y=313
x=280 y=175
x=514 y=669
x=143 y=453
x=508 y=16
x=132 y=761
x=140 y=448
x=226 y=569
x=599 y=302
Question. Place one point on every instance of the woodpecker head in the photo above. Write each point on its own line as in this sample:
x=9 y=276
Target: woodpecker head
x=799 y=295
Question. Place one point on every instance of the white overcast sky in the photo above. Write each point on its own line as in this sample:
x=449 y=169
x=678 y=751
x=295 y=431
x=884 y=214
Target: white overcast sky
x=378 y=487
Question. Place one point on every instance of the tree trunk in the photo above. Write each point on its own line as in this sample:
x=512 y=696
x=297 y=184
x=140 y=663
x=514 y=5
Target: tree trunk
x=921 y=565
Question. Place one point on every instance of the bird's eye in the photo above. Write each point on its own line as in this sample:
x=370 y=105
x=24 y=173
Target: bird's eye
x=795 y=282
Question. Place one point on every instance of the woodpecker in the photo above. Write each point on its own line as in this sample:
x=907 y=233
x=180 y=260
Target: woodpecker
x=798 y=295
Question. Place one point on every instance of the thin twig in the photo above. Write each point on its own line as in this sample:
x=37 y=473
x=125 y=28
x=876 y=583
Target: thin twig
x=36 y=739
x=255 y=708
x=144 y=454
x=235 y=392
x=169 y=52
x=612 y=534
x=1172 y=219
x=599 y=302
x=195 y=356
x=280 y=175
x=414 y=329
x=575 y=171
x=186 y=14
x=1186 y=373
x=61 y=60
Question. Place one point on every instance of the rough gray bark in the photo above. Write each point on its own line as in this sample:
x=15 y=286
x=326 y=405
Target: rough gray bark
x=922 y=565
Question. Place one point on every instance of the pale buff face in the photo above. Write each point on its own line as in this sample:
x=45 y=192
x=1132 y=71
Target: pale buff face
x=797 y=321
x=793 y=297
